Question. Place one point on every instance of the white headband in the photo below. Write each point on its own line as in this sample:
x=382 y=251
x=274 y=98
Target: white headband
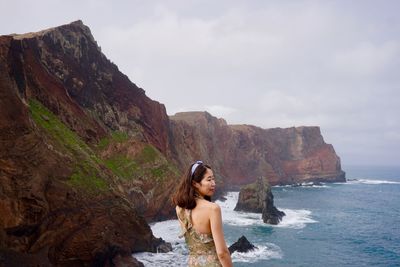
x=195 y=165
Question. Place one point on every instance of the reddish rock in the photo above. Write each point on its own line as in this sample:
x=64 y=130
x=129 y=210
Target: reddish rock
x=45 y=216
x=240 y=153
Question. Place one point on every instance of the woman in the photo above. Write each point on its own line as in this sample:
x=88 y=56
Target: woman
x=201 y=219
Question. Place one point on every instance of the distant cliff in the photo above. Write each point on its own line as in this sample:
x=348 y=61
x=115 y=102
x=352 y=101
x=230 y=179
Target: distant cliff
x=241 y=153
x=86 y=157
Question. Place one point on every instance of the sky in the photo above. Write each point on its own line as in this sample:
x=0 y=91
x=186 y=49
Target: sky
x=332 y=64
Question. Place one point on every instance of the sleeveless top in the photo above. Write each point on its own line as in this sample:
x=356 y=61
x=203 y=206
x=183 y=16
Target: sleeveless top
x=201 y=247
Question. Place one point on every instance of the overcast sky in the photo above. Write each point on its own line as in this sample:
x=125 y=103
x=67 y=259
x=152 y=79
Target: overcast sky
x=335 y=64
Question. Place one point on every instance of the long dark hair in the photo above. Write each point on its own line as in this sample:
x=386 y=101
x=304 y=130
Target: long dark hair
x=185 y=195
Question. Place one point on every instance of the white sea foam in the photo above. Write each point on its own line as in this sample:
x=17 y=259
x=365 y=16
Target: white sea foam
x=295 y=219
x=306 y=185
x=173 y=258
x=168 y=230
x=369 y=181
x=262 y=252
x=237 y=218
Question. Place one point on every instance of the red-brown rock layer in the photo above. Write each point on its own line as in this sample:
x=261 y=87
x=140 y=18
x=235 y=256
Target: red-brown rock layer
x=241 y=153
x=59 y=203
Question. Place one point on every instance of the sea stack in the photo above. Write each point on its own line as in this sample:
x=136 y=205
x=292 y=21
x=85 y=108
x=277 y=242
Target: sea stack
x=257 y=197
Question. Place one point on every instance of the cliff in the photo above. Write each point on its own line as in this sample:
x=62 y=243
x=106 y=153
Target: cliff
x=81 y=153
x=241 y=153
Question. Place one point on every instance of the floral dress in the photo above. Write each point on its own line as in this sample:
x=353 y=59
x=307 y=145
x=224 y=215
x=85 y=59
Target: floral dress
x=202 y=250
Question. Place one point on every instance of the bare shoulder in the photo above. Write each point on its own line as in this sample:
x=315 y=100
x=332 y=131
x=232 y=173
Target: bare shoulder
x=208 y=206
x=214 y=207
x=178 y=209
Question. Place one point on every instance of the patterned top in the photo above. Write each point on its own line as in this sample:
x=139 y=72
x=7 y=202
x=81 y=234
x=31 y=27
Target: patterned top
x=202 y=252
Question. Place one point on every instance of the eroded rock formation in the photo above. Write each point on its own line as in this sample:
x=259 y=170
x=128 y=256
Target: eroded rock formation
x=257 y=197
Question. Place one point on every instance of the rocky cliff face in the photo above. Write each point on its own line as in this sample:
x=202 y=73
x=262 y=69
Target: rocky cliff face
x=241 y=153
x=73 y=131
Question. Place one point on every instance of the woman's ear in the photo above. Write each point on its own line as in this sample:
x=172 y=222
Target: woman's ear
x=195 y=184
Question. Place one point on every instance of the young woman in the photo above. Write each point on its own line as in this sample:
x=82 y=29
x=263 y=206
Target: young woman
x=201 y=219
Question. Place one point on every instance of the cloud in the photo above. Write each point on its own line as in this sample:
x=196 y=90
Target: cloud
x=268 y=63
x=220 y=111
x=367 y=59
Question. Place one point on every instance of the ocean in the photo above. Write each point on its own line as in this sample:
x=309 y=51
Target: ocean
x=341 y=224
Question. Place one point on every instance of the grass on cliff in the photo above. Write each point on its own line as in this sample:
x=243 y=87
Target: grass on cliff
x=116 y=136
x=85 y=172
x=148 y=164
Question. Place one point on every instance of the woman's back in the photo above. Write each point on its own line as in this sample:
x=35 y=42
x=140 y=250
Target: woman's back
x=201 y=216
x=202 y=251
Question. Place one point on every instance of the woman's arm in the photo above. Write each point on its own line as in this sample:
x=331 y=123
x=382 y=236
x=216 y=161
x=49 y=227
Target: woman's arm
x=218 y=235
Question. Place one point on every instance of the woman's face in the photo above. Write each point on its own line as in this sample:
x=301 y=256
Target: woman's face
x=206 y=187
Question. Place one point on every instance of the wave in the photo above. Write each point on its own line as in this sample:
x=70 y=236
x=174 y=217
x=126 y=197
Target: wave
x=162 y=259
x=168 y=230
x=305 y=185
x=369 y=181
x=295 y=219
x=266 y=252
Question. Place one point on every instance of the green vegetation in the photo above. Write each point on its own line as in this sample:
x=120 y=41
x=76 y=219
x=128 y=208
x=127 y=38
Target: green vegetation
x=158 y=172
x=149 y=154
x=58 y=130
x=116 y=136
x=123 y=167
x=148 y=164
x=87 y=177
x=86 y=174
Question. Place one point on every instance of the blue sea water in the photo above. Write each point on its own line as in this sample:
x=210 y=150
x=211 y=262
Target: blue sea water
x=344 y=224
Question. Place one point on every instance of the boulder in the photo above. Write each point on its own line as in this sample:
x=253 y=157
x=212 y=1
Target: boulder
x=242 y=245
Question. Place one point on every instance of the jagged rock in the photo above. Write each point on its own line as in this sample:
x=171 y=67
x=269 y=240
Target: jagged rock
x=270 y=214
x=258 y=198
x=242 y=245
x=161 y=246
